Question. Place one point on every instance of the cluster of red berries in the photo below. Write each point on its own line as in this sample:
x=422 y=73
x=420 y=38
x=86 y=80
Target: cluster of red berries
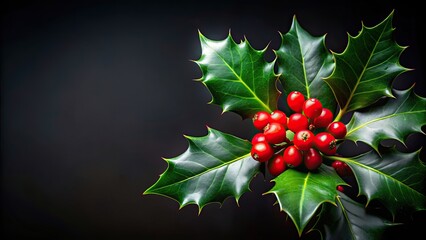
x=272 y=144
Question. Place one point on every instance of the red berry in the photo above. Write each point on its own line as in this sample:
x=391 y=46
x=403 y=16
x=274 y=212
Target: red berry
x=261 y=151
x=342 y=168
x=295 y=101
x=274 y=133
x=292 y=156
x=346 y=170
x=304 y=139
x=297 y=122
x=337 y=129
x=279 y=117
x=312 y=159
x=340 y=188
x=258 y=137
x=261 y=119
x=337 y=164
x=324 y=119
x=325 y=143
x=312 y=108
x=276 y=165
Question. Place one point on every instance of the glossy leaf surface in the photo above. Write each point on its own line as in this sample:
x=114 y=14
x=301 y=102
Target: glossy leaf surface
x=301 y=193
x=349 y=220
x=303 y=61
x=396 y=119
x=366 y=68
x=396 y=179
x=213 y=168
x=238 y=77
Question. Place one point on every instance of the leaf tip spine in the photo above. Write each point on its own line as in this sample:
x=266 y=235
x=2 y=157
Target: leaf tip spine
x=391 y=13
x=200 y=34
x=332 y=52
x=403 y=47
x=418 y=153
x=411 y=87
x=245 y=38
x=200 y=208
x=363 y=24
x=187 y=137
x=266 y=47
x=237 y=201
x=211 y=101
x=146 y=192
x=225 y=108
x=331 y=202
x=266 y=193
x=404 y=142
x=376 y=149
x=408 y=69
x=388 y=93
x=181 y=206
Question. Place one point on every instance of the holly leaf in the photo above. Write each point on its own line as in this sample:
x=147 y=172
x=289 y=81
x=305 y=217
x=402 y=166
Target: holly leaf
x=349 y=220
x=397 y=119
x=301 y=193
x=214 y=167
x=238 y=76
x=395 y=178
x=303 y=61
x=366 y=68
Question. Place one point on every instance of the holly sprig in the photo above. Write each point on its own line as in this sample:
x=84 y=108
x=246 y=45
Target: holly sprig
x=240 y=80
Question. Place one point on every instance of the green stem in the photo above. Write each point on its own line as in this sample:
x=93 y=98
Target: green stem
x=340 y=115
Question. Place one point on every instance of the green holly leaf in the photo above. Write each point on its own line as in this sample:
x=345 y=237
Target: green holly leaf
x=238 y=77
x=301 y=193
x=349 y=220
x=395 y=178
x=397 y=119
x=366 y=68
x=303 y=61
x=214 y=167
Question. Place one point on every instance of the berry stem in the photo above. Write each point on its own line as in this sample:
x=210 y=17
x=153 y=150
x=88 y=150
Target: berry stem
x=281 y=150
x=340 y=115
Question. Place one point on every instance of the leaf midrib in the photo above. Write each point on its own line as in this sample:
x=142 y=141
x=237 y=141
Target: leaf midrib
x=380 y=119
x=302 y=197
x=240 y=79
x=346 y=217
x=308 y=94
x=363 y=70
x=376 y=171
x=206 y=171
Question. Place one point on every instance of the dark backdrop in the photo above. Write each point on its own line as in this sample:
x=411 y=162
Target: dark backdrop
x=93 y=94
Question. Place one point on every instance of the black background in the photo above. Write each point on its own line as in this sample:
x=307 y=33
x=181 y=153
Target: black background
x=94 y=93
